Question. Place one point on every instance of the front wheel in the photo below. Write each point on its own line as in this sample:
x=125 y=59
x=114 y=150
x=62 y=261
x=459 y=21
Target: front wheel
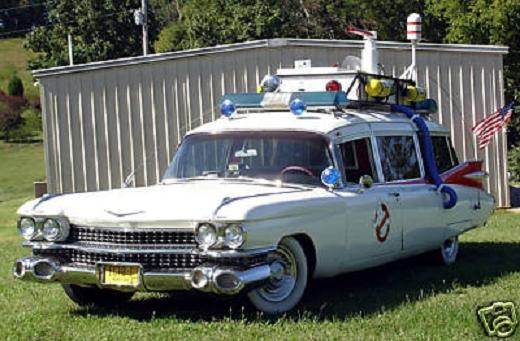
x=92 y=296
x=284 y=290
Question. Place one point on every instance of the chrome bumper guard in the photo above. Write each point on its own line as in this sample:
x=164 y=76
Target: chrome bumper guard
x=215 y=279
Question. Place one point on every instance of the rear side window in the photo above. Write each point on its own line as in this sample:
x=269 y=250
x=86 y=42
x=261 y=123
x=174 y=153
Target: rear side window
x=445 y=157
x=398 y=157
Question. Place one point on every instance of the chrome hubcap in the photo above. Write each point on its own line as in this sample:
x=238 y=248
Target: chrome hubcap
x=449 y=248
x=283 y=279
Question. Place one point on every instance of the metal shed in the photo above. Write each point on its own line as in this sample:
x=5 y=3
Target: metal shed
x=102 y=120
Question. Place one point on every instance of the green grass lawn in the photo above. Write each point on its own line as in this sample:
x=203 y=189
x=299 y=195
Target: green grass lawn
x=410 y=299
x=13 y=59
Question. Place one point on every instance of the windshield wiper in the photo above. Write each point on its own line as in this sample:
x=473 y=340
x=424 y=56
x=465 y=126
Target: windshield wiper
x=212 y=172
x=270 y=182
x=193 y=178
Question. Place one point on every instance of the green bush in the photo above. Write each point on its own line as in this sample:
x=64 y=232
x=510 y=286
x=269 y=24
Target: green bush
x=32 y=119
x=514 y=164
x=15 y=86
x=28 y=129
x=10 y=120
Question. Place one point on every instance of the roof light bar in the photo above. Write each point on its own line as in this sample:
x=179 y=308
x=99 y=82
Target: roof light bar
x=281 y=100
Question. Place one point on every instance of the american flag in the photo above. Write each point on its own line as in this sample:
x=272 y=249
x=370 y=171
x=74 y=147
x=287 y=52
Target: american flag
x=486 y=129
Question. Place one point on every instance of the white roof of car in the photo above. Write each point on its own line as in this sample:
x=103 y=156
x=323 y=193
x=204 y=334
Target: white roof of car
x=322 y=123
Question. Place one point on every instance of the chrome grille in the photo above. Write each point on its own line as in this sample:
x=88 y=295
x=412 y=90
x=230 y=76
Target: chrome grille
x=149 y=261
x=135 y=237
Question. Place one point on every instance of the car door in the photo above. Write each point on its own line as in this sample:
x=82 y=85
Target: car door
x=374 y=226
x=420 y=204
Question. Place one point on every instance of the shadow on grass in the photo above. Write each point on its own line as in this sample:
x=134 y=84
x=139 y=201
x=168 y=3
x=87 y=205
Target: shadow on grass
x=358 y=293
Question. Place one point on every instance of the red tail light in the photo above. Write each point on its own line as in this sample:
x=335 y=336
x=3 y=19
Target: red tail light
x=333 y=85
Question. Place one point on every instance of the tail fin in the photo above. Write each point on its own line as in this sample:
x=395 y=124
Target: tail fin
x=469 y=173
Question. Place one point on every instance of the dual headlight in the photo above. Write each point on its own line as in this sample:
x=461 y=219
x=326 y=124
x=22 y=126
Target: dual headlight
x=227 y=235
x=49 y=229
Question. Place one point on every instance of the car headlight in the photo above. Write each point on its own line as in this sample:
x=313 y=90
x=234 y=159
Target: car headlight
x=27 y=228
x=52 y=230
x=206 y=235
x=233 y=236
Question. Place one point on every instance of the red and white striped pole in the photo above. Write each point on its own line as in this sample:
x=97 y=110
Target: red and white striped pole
x=414 y=34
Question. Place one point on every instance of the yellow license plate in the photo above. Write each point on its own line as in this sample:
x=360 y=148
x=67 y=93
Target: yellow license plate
x=120 y=275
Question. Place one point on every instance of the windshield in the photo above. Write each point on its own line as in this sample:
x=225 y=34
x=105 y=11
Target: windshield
x=291 y=157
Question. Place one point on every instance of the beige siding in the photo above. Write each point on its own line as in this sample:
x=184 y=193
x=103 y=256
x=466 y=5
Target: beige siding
x=102 y=120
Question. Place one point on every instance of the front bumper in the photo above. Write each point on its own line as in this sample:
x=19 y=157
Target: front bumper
x=160 y=269
x=215 y=279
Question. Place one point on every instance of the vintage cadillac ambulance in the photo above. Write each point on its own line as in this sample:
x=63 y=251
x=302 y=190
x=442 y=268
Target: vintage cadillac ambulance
x=322 y=172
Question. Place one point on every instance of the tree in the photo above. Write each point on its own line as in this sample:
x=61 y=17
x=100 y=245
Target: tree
x=487 y=22
x=18 y=16
x=210 y=22
x=101 y=30
x=172 y=38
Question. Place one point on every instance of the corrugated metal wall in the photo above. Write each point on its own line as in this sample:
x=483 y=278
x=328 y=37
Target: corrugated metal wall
x=102 y=120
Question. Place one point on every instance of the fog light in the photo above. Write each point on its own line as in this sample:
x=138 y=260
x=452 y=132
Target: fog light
x=44 y=270
x=199 y=279
x=19 y=269
x=27 y=228
x=227 y=281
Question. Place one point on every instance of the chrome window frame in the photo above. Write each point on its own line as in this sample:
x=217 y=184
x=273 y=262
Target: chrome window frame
x=338 y=144
x=415 y=138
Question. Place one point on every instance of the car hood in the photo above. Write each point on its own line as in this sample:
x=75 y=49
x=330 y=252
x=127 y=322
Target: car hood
x=183 y=202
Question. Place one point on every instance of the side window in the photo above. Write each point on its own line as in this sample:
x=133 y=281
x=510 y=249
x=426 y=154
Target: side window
x=398 y=157
x=357 y=159
x=445 y=157
x=454 y=158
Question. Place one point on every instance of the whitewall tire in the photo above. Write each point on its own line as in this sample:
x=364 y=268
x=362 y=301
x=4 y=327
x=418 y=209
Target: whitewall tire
x=284 y=290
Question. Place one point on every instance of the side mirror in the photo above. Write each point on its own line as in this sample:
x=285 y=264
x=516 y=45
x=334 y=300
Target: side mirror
x=330 y=177
x=366 y=181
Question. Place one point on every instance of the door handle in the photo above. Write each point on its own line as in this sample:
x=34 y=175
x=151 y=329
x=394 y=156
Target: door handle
x=394 y=194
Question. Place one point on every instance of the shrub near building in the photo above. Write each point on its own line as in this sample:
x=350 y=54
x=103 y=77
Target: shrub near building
x=15 y=87
x=20 y=119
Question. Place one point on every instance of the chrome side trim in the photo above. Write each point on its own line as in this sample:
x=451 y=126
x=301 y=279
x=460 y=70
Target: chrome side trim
x=119 y=249
x=478 y=175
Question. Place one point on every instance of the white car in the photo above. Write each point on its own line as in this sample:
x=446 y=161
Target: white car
x=261 y=201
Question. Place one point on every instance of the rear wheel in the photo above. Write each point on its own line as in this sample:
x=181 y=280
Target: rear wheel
x=448 y=251
x=85 y=296
x=284 y=290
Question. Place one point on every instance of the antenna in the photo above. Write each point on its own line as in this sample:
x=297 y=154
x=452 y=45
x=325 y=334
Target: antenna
x=369 y=56
x=414 y=34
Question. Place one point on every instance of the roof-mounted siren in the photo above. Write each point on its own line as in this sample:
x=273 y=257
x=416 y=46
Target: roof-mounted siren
x=414 y=34
x=369 y=55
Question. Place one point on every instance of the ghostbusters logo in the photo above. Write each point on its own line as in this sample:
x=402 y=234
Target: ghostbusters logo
x=381 y=221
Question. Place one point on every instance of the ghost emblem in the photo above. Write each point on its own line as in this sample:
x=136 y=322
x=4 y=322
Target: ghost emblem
x=381 y=221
